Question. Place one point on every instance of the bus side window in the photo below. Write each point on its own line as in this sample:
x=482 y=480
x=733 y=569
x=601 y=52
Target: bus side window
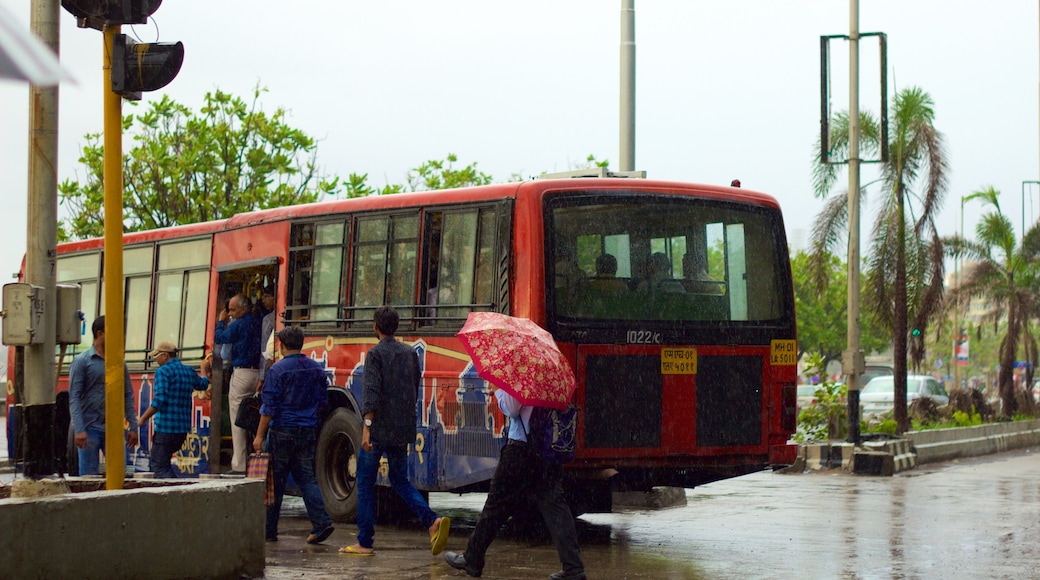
x=460 y=265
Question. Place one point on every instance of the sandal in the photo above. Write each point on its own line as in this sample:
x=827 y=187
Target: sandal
x=440 y=540
x=351 y=550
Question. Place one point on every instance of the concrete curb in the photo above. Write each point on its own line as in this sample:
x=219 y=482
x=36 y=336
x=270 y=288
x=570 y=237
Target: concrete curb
x=886 y=455
x=199 y=529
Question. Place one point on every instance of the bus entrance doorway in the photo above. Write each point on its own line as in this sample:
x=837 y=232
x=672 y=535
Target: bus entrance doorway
x=248 y=279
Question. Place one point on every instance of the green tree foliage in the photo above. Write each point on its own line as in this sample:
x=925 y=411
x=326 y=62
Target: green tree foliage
x=1006 y=274
x=822 y=312
x=442 y=174
x=905 y=257
x=187 y=167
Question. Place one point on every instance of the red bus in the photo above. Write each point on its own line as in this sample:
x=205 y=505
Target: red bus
x=672 y=301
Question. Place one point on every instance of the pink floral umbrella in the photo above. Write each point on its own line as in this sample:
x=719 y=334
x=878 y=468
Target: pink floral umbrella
x=519 y=356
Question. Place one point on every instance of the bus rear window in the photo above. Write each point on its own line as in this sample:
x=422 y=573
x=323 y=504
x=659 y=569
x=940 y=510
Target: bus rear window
x=647 y=258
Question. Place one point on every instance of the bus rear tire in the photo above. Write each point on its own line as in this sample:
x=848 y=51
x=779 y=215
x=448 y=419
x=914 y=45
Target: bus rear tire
x=335 y=464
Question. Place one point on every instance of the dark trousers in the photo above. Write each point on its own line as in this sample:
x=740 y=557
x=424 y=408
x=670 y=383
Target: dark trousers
x=292 y=451
x=164 y=445
x=521 y=476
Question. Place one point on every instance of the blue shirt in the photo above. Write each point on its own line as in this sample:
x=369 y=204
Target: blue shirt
x=513 y=409
x=294 y=392
x=174 y=384
x=244 y=336
x=87 y=393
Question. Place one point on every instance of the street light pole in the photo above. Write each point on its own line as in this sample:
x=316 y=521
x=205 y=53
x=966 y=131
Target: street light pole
x=1024 y=183
x=852 y=360
x=957 y=307
x=627 y=160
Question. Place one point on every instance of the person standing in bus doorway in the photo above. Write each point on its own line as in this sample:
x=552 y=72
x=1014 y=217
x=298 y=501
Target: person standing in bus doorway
x=267 y=301
x=171 y=405
x=293 y=400
x=87 y=402
x=243 y=333
x=391 y=388
x=521 y=475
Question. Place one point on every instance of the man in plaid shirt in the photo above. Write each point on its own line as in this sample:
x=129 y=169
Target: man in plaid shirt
x=173 y=387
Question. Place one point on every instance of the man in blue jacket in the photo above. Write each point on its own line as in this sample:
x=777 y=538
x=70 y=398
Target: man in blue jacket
x=293 y=402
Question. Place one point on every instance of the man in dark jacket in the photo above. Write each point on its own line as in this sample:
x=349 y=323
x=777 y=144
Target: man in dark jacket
x=391 y=387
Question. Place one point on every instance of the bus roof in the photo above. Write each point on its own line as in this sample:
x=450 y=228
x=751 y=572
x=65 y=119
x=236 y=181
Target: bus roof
x=534 y=188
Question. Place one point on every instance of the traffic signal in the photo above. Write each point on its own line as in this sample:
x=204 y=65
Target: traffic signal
x=138 y=67
x=916 y=332
x=98 y=14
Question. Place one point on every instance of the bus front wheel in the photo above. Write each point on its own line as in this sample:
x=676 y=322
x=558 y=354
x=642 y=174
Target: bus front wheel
x=335 y=463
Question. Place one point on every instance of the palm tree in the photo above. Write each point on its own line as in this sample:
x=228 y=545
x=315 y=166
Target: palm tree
x=1006 y=274
x=905 y=265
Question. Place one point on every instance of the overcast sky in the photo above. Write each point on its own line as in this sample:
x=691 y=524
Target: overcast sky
x=724 y=89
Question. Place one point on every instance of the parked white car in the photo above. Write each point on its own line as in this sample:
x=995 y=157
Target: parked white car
x=878 y=395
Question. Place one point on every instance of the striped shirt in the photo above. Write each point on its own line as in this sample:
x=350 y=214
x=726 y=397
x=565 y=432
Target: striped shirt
x=174 y=383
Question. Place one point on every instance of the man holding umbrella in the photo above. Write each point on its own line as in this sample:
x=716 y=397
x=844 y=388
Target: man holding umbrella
x=521 y=474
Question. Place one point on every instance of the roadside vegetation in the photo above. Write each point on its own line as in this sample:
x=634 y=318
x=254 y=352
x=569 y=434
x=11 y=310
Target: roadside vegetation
x=827 y=417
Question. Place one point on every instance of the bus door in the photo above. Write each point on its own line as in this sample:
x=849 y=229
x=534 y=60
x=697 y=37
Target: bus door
x=248 y=278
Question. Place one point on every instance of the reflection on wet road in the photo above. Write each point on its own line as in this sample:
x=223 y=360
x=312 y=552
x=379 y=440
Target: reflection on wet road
x=977 y=518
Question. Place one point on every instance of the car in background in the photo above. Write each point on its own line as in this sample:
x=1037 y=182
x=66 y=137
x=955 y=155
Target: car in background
x=878 y=396
x=806 y=396
x=872 y=370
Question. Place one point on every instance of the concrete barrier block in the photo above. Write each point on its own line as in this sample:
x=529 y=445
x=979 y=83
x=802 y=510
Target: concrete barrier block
x=208 y=529
x=873 y=463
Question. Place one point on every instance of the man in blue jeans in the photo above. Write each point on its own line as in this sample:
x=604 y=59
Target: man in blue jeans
x=391 y=388
x=175 y=383
x=87 y=404
x=293 y=400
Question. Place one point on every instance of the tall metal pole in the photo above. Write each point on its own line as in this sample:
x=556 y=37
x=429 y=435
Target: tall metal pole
x=114 y=348
x=628 y=86
x=957 y=309
x=40 y=253
x=853 y=360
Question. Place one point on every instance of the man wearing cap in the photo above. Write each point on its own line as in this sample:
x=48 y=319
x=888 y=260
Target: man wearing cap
x=174 y=384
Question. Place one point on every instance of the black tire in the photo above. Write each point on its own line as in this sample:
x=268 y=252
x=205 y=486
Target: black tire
x=335 y=463
x=72 y=458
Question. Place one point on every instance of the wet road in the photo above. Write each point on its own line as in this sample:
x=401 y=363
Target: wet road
x=977 y=518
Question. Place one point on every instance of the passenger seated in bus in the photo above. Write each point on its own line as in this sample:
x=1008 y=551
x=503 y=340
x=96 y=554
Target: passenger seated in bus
x=659 y=277
x=605 y=280
x=696 y=278
x=569 y=275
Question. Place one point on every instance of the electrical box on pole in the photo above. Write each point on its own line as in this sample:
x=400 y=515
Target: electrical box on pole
x=69 y=317
x=22 y=314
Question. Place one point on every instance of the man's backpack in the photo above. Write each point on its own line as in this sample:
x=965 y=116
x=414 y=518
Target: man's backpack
x=553 y=433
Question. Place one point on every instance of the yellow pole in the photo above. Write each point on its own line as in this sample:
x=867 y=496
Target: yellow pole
x=114 y=406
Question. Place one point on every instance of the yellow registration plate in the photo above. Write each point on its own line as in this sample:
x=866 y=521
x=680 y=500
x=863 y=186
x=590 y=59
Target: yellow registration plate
x=783 y=352
x=678 y=361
